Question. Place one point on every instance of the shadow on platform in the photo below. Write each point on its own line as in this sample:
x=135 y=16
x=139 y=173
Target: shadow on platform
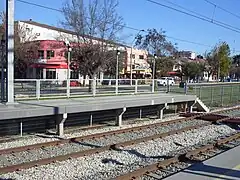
x=219 y=173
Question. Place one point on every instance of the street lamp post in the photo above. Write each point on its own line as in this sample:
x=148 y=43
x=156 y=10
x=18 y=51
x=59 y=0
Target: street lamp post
x=67 y=43
x=117 y=64
x=131 y=63
x=153 y=73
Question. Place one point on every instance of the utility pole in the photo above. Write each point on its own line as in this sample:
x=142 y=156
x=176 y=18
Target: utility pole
x=67 y=44
x=10 y=50
x=117 y=69
x=153 y=73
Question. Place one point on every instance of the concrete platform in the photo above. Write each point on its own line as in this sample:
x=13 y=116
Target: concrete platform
x=26 y=109
x=225 y=166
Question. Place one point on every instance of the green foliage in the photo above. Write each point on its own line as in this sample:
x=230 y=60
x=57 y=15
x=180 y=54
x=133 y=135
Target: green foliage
x=219 y=59
x=223 y=56
x=192 y=69
x=236 y=59
x=164 y=65
x=155 y=42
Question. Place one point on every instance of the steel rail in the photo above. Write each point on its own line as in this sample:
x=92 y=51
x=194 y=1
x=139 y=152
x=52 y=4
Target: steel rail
x=91 y=136
x=179 y=158
x=95 y=150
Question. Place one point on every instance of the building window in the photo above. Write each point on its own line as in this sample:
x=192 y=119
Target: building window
x=74 y=75
x=50 y=73
x=133 y=56
x=41 y=54
x=141 y=57
x=50 y=54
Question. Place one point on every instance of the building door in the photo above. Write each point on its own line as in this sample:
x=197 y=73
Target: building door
x=39 y=73
x=51 y=74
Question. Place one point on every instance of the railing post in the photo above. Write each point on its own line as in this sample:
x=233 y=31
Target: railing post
x=68 y=88
x=38 y=89
x=195 y=89
x=168 y=86
x=222 y=93
x=153 y=85
x=116 y=87
x=185 y=87
x=94 y=86
x=200 y=92
x=238 y=93
x=136 y=86
x=231 y=94
x=211 y=95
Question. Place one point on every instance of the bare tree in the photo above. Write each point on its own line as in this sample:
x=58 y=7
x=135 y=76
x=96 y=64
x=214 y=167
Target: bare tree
x=2 y=38
x=25 y=47
x=155 y=42
x=96 y=24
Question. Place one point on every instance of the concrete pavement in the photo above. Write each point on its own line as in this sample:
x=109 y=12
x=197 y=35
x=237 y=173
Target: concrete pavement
x=26 y=109
x=225 y=166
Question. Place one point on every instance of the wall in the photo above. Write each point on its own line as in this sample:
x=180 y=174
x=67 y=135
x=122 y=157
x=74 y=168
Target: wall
x=136 y=60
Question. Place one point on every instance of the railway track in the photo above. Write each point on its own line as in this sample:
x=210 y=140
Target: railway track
x=86 y=145
x=96 y=127
x=93 y=144
x=172 y=165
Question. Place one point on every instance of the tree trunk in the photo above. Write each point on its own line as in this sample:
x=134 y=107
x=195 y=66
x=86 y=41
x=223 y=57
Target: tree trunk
x=91 y=84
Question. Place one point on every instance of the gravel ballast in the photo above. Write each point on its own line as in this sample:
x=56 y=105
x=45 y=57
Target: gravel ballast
x=47 y=138
x=67 y=148
x=109 y=164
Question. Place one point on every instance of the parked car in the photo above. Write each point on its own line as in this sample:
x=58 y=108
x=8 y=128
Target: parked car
x=163 y=81
x=72 y=84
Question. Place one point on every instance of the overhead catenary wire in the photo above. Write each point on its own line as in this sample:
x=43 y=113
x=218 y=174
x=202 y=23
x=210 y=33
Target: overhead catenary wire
x=201 y=15
x=195 y=16
x=223 y=9
x=127 y=27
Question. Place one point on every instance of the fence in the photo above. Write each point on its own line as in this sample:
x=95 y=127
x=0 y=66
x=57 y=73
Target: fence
x=212 y=94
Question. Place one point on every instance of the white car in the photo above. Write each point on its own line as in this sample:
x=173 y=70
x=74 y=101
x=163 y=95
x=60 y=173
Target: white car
x=163 y=81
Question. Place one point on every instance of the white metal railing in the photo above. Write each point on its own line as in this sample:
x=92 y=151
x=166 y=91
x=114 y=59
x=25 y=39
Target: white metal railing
x=53 y=88
x=43 y=88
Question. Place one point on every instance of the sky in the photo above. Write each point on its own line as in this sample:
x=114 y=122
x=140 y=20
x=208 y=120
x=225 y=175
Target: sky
x=141 y=14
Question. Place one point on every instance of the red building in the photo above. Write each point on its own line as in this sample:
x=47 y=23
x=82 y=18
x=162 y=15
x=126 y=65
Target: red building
x=51 y=62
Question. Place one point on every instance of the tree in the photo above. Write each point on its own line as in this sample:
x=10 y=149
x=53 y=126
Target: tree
x=164 y=65
x=218 y=59
x=236 y=59
x=110 y=69
x=211 y=66
x=223 y=56
x=25 y=47
x=192 y=70
x=235 y=67
x=91 y=19
x=155 y=42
